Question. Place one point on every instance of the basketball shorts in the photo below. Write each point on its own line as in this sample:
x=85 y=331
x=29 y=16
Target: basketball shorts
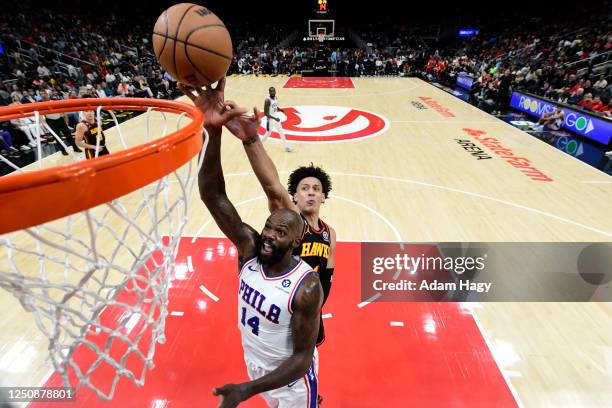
x=556 y=125
x=91 y=153
x=274 y=125
x=301 y=393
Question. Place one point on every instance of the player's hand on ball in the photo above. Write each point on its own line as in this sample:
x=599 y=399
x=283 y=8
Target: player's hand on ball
x=231 y=395
x=211 y=101
x=244 y=127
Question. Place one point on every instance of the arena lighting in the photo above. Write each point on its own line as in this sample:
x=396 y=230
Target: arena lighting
x=468 y=32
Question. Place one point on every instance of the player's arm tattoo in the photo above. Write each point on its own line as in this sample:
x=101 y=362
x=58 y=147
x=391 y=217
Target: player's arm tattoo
x=212 y=191
x=332 y=247
x=328 y=273
x=79 y=137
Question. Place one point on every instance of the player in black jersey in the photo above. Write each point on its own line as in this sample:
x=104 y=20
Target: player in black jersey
x=87 y=134
x=309 y=186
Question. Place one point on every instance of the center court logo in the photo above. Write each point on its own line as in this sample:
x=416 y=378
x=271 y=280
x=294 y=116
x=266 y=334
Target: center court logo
x=325 y=124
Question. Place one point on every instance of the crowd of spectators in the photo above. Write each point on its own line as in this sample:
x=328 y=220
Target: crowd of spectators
x=53 y=56
x=341 y=61
x=50 y=55
x=558 y=67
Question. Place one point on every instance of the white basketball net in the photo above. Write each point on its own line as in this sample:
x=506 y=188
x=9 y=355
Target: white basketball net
x=97 y=282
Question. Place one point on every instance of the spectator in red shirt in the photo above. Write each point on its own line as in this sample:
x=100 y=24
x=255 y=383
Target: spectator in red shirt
x=579 y=84
x=587 y=101
x=607 y=110
x=597 y=104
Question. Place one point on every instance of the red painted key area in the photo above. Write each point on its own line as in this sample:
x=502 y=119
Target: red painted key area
x=319 y=82
x=438 y=358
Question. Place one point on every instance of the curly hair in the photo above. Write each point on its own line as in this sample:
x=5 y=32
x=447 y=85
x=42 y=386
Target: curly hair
x=309 y=171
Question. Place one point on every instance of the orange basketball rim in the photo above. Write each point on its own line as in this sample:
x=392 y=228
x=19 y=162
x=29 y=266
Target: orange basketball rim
x=36 y=197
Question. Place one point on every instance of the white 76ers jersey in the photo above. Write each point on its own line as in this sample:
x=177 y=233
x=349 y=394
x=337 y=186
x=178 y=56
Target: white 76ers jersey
x=273 y=105
x=264 y=313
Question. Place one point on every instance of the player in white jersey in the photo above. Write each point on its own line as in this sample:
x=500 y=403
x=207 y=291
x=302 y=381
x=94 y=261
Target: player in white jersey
x=273 y=122
x=280 y=297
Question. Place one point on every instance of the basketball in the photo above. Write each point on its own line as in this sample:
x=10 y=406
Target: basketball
x=192 y=44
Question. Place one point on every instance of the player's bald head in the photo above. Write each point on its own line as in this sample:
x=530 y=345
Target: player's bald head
x=290 y=218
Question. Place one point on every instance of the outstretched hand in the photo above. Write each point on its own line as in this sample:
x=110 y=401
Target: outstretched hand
x=244 y=127
x=231 y=395
x=211 y=101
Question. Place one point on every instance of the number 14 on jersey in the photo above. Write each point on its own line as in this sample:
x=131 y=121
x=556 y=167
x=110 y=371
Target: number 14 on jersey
x=253 y=322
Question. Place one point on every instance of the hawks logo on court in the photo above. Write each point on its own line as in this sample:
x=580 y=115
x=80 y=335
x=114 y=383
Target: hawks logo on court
x=314 y=123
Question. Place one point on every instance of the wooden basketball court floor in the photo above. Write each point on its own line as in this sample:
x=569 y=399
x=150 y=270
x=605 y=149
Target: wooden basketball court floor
x=412 y=182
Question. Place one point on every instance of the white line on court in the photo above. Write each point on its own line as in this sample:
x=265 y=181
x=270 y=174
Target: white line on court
x=370 y=300
x=177 y=313
x=327 y=316
x=247 y=201
x=343 y=92
x=597 y=182
x=498 y=200
x=343 y=240
x=189 y=264
x=373 y=211
x=446 y=122
x=208 y=293
x=396 y=324
x=454 y=190
x=237 y=205
x=502 y=370
x=448 y=97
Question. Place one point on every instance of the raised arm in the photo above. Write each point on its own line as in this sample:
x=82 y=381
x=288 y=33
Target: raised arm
x=245 y=128
x=212 y=191
x=304 y=330
x=210 y=178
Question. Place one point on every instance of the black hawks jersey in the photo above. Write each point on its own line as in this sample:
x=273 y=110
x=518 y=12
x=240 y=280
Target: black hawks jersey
x=90 y=137
x=315 y=246
x=315 y=251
